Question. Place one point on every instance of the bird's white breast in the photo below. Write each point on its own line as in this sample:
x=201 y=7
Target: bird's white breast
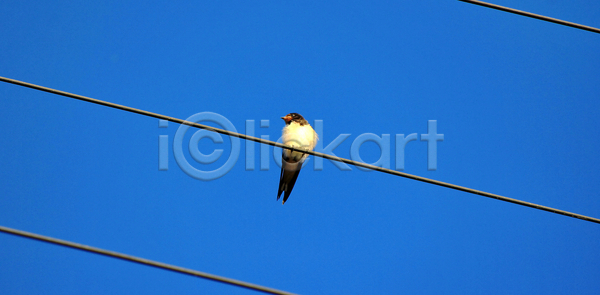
x=300 y=136
x=296 y=135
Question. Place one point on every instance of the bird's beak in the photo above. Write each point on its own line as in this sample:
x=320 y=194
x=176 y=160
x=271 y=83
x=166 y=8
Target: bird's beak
x=287 y=119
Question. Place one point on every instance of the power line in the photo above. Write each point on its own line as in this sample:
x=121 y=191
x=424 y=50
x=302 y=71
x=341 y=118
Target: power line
x=148 y=262
x=533 y=15
x=316 y=154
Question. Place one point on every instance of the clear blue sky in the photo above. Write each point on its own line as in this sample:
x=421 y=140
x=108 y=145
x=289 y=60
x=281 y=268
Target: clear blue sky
x=517 y=100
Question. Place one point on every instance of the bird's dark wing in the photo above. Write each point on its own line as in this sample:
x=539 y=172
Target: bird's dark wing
x=287 y=179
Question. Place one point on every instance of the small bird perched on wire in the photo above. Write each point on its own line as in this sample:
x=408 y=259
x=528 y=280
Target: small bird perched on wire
x=296 y=133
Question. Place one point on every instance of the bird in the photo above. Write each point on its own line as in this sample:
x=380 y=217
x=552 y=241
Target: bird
x=299 y=134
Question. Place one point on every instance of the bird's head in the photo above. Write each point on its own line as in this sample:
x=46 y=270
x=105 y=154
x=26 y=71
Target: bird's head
x=294 y=117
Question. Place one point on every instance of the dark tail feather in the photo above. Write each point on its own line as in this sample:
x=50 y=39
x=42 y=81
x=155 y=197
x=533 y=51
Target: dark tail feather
x=281 y=190
x=287 y=179
x=286 y=196
x=290 y=186
x=280 y=185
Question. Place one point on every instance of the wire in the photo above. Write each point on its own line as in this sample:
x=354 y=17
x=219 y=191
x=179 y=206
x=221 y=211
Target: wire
x=529 y=14
x=316 y=154
x=174 y=268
